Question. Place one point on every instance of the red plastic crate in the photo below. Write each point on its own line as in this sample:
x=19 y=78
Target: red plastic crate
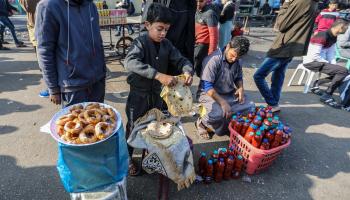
x=255 y=160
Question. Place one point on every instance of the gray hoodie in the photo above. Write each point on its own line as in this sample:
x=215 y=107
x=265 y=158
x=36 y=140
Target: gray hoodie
x=70 y=50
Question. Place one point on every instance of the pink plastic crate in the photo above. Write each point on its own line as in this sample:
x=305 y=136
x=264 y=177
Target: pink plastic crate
x=255 y=160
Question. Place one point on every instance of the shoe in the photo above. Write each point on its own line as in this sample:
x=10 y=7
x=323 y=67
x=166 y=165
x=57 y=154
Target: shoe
x=4 y=42
x=4 y=48
x=118 y=33
x=275 y=109
x=328 y=100
x=316 y=90
x=44 y=94
x=20 y=44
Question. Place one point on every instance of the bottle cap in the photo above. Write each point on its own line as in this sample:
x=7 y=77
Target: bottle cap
x=210 y=162
x=239 y=157
x=259 y=118
x=272 y=132
x=216 y=152
x=221 y=159
x=254 y=126
x=230 y=157
x=262 y=128
x=280 y=128
x=269 y=119
x=258 y=133
x=203 y=154
x=251 y=133
x=276 y=118
x=265 y=140
x=247 y=121
x=234 y=117
x=224 y=149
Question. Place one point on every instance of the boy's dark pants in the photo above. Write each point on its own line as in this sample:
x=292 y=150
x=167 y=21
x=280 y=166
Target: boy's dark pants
x=93 y=93
x=137 y=105
x=336 y=72
x=200 y=52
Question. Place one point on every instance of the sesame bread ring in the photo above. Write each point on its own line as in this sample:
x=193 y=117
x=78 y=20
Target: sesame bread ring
x=103 y=130
x=64 y=119
x=76 y=107
x=92 y=106
x=81 y=118
x=92 y=116
x=88 y=135
x=60 y=130
x=77 y=112
x=73 y=127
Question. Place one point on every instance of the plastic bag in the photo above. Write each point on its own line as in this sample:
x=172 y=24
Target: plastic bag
x=86 y=168
x=178 y=98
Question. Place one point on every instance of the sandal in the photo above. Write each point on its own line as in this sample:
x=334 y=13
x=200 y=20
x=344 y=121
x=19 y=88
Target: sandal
x=346 y=108
x=202 y=131
x=133 y=170
x=331 y=102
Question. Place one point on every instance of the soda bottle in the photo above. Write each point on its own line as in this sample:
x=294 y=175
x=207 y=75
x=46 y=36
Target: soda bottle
x=202 y=163
x=270 y=135
x=234 y=120
x=238 y=166
x=249 y=137
x=262 y=112
x=231 y=152
x=285 y=138
x=238 y=126
x=265 y=145
x=252 y=128
x=251 y=115
x=219 y=173
x=223 y=153
x=245 y=127
x=209 y=172
x=269 y=114
x=262 y=130
x=278 y=137
x=228 y=167
x=256 y=140
x=267 y=123
x=275 y=121
x=257 y=120
x=215 y=156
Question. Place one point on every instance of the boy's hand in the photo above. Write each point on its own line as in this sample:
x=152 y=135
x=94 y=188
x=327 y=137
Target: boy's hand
x=166 y=79
x=240 y=94
x=188 y=79
x=226 y=109
x=55 y=98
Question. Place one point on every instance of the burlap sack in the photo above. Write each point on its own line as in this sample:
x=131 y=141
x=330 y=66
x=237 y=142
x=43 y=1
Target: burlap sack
x=178 y=98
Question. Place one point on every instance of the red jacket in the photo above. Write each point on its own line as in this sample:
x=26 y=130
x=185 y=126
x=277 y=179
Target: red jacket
x=325 y=20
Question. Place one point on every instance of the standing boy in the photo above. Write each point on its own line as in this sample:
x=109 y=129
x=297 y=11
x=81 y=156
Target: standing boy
x=147 y=62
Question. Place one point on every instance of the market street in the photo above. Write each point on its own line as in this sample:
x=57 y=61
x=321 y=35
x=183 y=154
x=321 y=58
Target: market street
x=315 y=166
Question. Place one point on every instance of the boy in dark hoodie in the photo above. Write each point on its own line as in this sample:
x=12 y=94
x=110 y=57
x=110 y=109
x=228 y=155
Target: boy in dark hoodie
x=148 y=61
x=70 y=51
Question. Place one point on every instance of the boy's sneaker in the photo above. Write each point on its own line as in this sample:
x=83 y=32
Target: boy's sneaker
x=275 y=109
x=328 y=100
x=44 y=94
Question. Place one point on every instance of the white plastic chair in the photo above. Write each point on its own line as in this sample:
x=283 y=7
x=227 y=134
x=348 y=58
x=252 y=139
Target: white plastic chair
x=304 y=71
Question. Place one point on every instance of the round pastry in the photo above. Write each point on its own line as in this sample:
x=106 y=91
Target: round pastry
x=102 y=111
x=111 y=113
x=82 y=119
x=92 y=116
x=103 y=130
x=76 y=107
x=73 y=127
x=64 y=119
x=92 y=106
x=88 y=135
x=77 y=112
x=60 y=130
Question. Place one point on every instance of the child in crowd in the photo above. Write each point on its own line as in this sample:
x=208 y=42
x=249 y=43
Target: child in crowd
x=237 y=30
x=148 y=62
x=327 y=17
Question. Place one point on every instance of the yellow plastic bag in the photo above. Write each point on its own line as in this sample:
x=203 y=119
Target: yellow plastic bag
x=178 y=98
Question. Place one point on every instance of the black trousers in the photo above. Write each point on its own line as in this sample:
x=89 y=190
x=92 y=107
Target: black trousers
x=337 y=73
x=200 y=52
x=137 y=105
x=94 y=93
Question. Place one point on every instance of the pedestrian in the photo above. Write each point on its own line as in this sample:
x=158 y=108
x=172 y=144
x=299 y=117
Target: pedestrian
x=237 y=30
x=1 y=41
x=72 y=60
x=129 y=6
x=344 y=44
x=147 y=63
x=327 y=17
x=206 y=33
x=321 y=58
x=266 y=8
x=226 y=22
x=6 y=10
x=221 y=88
x=294 y=23
x=104 y=5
